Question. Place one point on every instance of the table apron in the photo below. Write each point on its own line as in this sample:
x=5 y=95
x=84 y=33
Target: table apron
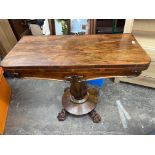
x=86 y=73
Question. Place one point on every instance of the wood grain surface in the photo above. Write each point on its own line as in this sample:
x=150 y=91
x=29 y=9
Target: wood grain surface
x=91 y=56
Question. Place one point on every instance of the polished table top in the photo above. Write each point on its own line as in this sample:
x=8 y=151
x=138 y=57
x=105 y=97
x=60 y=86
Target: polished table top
x=91 y=56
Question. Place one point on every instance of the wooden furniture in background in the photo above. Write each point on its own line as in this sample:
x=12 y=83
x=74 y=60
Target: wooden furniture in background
x=2 y=51
x=128 y=25
x=52 y=26
x=92 y=26
x=144 y=32
x=20 y=27
x=109 y=26
x=77 y=58
x=7 y=37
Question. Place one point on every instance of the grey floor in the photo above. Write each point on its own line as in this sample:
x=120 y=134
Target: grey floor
x=36 y=103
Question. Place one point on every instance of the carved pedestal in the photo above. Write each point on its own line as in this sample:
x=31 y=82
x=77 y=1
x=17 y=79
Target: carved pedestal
x=79 y=100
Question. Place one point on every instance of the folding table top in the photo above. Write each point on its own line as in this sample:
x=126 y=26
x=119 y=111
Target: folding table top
x=72 y=53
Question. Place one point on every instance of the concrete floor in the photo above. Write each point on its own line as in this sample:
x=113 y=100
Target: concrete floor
x=36 y=103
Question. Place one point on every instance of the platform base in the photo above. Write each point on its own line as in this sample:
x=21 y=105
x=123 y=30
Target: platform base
x=80 y=108
x=79 y=99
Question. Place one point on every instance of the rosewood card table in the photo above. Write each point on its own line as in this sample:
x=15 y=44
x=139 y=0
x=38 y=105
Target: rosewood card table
x=76 y=59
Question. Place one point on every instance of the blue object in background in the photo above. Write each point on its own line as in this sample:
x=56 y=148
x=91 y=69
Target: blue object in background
x=97 y=82
x=76 y=25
